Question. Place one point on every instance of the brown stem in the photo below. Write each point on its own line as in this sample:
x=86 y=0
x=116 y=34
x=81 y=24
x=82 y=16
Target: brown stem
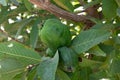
x=46 y=5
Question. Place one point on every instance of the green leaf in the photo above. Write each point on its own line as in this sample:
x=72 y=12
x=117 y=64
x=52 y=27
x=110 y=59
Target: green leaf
x=3 y=2
x=69 y=59
x=34 y=33
x=89 y=63
x=117 y=39
x=109 y=8
x=15 y=2
x=87 y=39
x=97 y=51
x=60 y=75
x=115 y=65
x=107 y=26
x=84 y=73
x=99 y=75
x=91 y=3
x=22 y=24
x=49 y=52
x=118 y=12
x=9 y=68
x=47 y=68
x=20 y=76
x=108 y=49
x=17 y=27
x=32 y=74
x=118 y=2
x=19 y=52
x=28 y=5
x=76 y=75
x=5 y=14
x=65 y=4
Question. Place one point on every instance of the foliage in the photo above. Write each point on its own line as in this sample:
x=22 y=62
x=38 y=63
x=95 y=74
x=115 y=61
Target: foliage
x=93 y=52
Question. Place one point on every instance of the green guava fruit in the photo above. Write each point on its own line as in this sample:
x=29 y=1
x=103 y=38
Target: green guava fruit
x=54 y=34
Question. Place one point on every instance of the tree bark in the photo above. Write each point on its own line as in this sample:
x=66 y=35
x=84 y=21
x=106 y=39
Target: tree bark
x=47 y=5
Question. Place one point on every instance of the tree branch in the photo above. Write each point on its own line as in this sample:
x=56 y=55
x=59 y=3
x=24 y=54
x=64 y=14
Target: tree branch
x=47 y=5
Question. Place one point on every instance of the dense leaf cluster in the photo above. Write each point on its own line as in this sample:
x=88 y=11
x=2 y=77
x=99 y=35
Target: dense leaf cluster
x=93 y=53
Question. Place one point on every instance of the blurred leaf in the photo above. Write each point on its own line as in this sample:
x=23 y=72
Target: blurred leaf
x=87 y=39
x=118 y=2
x=108 y=49
x=99 y=76
x=20 y=76
x=99 y=26
x=108 y=6
x=19 y=9
x=60 y=75
x=115 y=64
x=15 y=2
x=47 y=68
x=17 y=27
x=107 y=26
x=76 y=75
x=84 y=73
x=49 y=52
x=9 y=68
x=89 y=63
x=28 y=5
x=21 y=25
x=95 y=20
x=20 y=52
x=117 y=39
x=118 y=12
x=91 y=3
x=69 y=58
x=5 y=14
x=32 y=74
x=34 y=33
x=3 y=2
x=102 y=61
x=65 y=4
x=97 y=51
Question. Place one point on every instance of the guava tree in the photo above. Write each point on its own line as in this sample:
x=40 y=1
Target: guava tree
x=59 y=40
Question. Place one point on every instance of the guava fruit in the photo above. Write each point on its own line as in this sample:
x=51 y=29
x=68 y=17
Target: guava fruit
x=54 y=34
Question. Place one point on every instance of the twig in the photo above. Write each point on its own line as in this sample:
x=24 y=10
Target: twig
x=47 y=5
